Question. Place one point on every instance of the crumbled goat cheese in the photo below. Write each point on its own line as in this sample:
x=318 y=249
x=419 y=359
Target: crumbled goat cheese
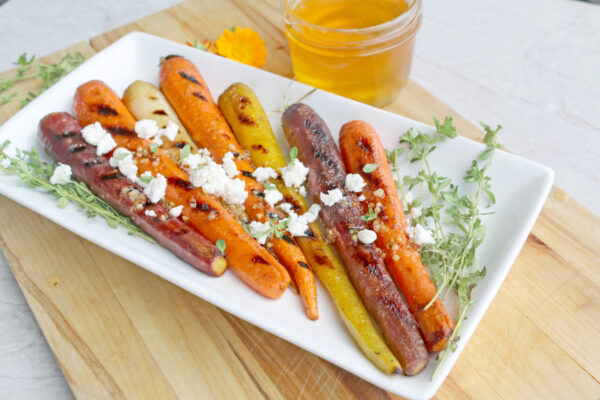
x=176 y=211
x=260 y=227
x=170 y=131
x=213 y=179
x=294 y=174
x=150 y=213
x=302 y=190
x=146 y=128
x=331 y=197
x=235 y=192
x=273 y=196
x=313 y=213
x=106 y=144
x=419 y=235
x=362 y=197
x=229 y=165
x=93 y=133
x=298 y=225
x=193 y=161
x=128 y=168
x=355 y=182
x=144 y=175
x=415 y=212
x=123 y=160
x=367 y=236
x=263 y=174
x=118 y=154
x=96 y=135
x=61 y=175
x=155 y=190
x=287 y=207
x=149 y=129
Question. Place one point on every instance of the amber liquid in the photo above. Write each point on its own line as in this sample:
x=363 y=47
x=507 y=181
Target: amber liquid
x=371 y=74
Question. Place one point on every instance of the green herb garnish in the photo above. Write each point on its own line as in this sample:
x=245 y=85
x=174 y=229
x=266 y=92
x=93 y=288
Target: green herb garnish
x=293 y=154
x=122 y=155
x=451 y=260
x=269 y=186
x=370 y=216
x=368 y=168
x=185 y=152
x=33 y=172
x=221 y=245
x=276 y=228
x=153 y=147
x=48 y=74
x=146 y=178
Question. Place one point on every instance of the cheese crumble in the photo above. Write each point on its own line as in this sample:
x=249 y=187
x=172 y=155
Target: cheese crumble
x=273 y=196
x=355 y=183
x=122 y=159
x=260 y=227
x=155 y=189
x=263 y=174
x=419 y=235
x=332 y=197
x=146 y=128
x=176 y=211
x=93 y=133
x=61 y=175
x=294 y=174
x=229 y=165
x=367 y=236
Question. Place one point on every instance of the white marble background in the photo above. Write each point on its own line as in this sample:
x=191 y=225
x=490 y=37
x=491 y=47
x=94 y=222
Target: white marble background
x=531 y=65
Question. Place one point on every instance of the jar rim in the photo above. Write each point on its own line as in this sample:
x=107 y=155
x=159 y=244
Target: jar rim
x=413 y=11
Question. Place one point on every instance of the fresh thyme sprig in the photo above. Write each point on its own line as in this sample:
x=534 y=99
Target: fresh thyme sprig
x=48 y=74
x=35 y=173
x=370 y=216
x=276 y=228
x=454 y=218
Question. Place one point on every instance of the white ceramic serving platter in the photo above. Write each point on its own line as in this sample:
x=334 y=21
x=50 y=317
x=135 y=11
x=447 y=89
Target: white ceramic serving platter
x=520 y=185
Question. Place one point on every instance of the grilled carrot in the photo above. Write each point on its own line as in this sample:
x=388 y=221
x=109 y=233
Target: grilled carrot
x=146 y=101
x=360 y=145
x=96 y=102
x=60 y=133
x=239 y=103
x=189 y=96
x=244 y=113
x=304 y=129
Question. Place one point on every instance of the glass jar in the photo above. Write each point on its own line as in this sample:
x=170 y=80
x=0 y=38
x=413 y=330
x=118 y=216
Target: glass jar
x=361 y=49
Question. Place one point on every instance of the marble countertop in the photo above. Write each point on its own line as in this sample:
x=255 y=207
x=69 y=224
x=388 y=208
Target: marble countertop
x=531 y=66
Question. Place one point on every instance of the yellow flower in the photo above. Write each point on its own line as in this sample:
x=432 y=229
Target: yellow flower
x=243 y=45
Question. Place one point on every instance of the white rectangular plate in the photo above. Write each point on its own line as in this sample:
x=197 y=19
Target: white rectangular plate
x=521 y=187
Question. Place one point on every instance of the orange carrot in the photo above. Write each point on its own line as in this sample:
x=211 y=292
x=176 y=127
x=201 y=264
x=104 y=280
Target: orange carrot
x=96 y=102
x=189 y=96
x=360 y=145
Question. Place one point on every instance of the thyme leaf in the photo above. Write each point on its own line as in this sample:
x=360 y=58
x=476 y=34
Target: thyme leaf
x=453 y=218
x=35 y=173
x=27 y=68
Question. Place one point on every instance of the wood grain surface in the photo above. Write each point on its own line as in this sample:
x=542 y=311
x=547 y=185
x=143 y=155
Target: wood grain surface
x=118 y=331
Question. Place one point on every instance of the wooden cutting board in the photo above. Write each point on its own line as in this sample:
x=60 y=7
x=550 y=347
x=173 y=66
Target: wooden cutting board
x=118 y=331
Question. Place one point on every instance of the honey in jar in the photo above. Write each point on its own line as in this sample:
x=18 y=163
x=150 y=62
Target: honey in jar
x=361 y=49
